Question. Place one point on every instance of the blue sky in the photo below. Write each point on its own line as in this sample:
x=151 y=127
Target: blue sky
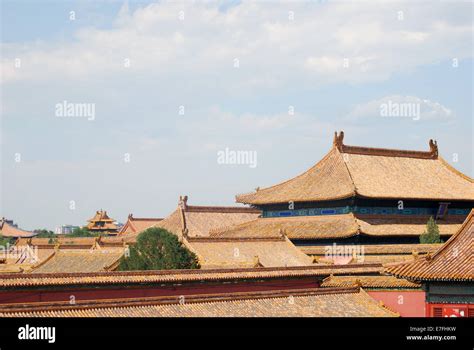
x=184 y=54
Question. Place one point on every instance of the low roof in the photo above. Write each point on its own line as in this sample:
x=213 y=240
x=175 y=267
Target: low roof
x=454 y=261
x=85 y=242
x=368 y=282
x=179 y=276
x=337 y=226
x=7 y=230
x=197 y=221
x=228 y=253
x=348 y=171
x=349 y=302
x=93 y=260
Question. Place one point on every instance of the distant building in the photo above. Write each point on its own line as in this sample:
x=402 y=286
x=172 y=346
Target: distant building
x=65 y=229
x=101 y=222
x=9 y=229
x=136 y=225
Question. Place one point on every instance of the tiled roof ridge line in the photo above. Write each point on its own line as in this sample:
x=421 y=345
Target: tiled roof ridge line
x=113 y=265
x=34 y=267
x=236 y=239
x=464 y=226
x=359 y=280
x=220 y=209
x=354 y=187
x=188 y=272
x=132 y=218
x=454 y=170
x=338 y=142
x=132 y=226
x=404 y=216
x=182 y=217
x=388 y=152
x=380 y=303
x=173 y=300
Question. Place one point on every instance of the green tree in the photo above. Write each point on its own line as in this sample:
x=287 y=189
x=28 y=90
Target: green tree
x=4 y=241
x=43 y=233
x=158 y=249
x=82 y=232
x=431 y=234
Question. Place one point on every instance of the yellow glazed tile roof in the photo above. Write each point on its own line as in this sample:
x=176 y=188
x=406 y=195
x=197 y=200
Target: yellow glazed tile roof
x=80 y=261
x=179 y=276
x=454 y=261
x=368 y=282
x=321 y=302
x=336 y=226
x=348 y=171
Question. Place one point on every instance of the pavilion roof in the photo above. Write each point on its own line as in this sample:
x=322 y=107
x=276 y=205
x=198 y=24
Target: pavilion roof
x=454 y=261
x=348 y=171
x=101 y=216
x=347 y=302
x=7 y=230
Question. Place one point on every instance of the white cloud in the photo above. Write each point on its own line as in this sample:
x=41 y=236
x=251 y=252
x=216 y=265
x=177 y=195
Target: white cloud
x=190 y=63
x=415 y=107
x=309 y=49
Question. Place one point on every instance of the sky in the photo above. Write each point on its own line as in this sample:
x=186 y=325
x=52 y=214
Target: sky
x=126 y=105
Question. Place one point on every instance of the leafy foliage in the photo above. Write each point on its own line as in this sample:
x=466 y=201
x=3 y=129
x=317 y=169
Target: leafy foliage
x=82 y=232
x=4 y=241
x=431 y=235
x=43 y=233
x=158 y=249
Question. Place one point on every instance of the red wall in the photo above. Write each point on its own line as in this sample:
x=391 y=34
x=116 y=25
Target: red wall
x=406 y=302
x=114 y=292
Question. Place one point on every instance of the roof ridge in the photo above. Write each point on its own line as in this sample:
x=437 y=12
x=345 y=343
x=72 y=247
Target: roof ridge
x=454 y=170
x=236 y=239
x=182 y=217
x=41 y=263
x=191 y=271
x=388 y=152
x=469 y=218
x=146 y=219
x=380 y=303
x=347 y=169
x=338 y=142
x=216 y=208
